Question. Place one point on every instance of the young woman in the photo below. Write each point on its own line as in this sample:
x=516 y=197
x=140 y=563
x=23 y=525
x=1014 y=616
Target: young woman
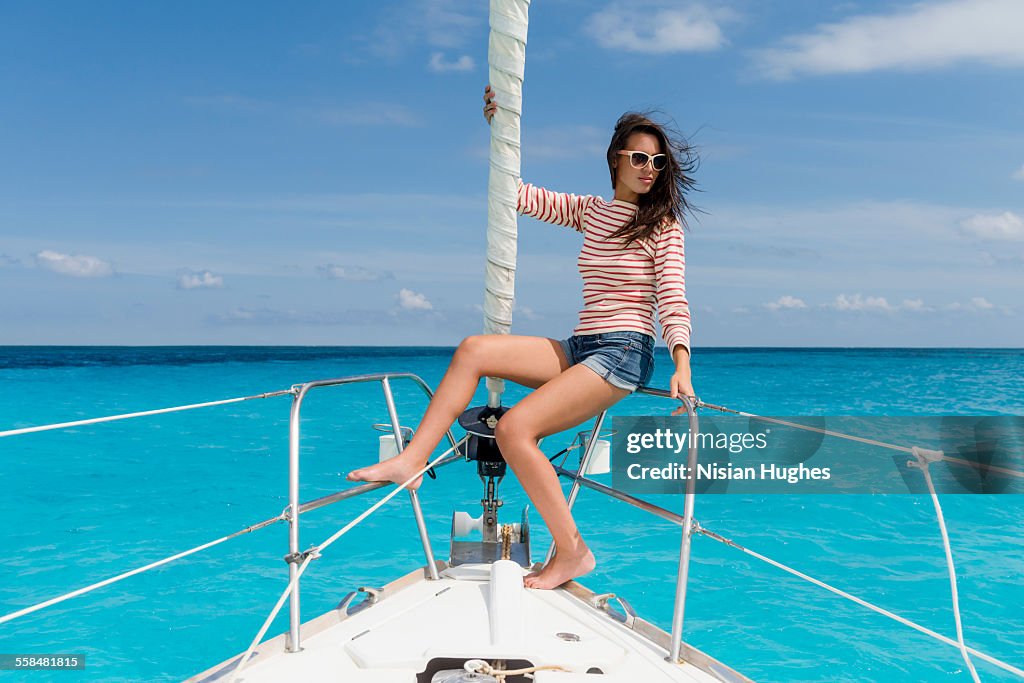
x=631 y=260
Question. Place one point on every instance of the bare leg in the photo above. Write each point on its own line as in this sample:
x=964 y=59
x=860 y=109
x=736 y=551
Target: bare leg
x=530 y=361
x=564 y=402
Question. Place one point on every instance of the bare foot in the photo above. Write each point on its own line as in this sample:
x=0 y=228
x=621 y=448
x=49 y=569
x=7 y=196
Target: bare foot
x=563 y=566
x=397 y=469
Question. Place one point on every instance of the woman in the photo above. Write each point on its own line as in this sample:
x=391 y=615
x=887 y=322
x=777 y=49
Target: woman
x=632 y=257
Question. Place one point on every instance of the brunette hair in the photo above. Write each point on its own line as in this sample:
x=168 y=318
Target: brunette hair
x=666 y=201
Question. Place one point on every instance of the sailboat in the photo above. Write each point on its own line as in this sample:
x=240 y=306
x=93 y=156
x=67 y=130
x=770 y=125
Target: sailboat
x=469 y=617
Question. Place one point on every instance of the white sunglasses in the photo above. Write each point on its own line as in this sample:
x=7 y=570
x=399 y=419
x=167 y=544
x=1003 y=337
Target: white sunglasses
x=640 y=159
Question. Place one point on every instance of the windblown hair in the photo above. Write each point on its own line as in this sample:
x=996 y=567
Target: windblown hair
x=666 y=201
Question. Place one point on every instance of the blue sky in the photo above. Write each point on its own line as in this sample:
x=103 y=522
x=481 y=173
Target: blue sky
x=315 y=173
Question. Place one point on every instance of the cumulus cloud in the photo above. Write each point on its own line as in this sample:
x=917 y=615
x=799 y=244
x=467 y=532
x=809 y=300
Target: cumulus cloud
x=413 y=301
x=75 y=265
x=525 y=311
x=977 y=304
x=924 y=35
x=981 y=303
x=199 y=280
x=353 y=273
x=857 y=302
x=439 y=65
x=403 y=26
x=660 y=29
x=1005 y=226
x=879 y=304
x=785 y=302
x=917 y=305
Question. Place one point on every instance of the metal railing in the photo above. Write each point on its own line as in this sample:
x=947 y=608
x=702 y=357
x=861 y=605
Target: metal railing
x=295 y=556
x=690 y=526
x=295 y=509
x=683 y=569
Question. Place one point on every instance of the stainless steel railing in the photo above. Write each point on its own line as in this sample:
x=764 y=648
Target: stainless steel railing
x=686 y=521
x=299 y=392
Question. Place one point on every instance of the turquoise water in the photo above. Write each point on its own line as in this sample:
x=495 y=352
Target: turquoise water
x=83 y=504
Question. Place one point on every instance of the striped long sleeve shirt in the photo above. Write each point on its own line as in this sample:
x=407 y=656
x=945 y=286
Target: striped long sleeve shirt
x=621 y=285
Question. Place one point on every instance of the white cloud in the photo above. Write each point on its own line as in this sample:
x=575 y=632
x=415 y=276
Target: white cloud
x=76 y=265
x=412 y=301
x=445 y=24
x=438 y=65
x=353 y=273
x=878 y=304
x=917 y=305
x=1005 y=226
x=1019 y=173
x=524 y=311
x=925 y=35
x=787 y=301
x=858 y=303
x=200 y=280
x=977 y=304
x=981 y=303
x=658 y=30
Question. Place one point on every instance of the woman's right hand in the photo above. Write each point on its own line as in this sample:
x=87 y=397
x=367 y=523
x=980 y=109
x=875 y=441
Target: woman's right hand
x=490 y=106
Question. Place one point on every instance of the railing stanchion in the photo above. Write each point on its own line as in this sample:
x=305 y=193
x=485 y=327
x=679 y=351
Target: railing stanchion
x=294 y=610
x=584 y=461
x=683 y=574
x=413 y=498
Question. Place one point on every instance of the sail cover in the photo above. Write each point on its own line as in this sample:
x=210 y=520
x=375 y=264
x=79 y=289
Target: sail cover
x=506 y=58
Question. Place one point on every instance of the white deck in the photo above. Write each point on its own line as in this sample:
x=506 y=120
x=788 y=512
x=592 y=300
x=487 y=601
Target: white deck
x=416 y=621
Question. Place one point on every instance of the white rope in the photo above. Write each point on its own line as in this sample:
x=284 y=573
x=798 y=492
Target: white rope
x=485 y=668
x=884 y=612
x=125 y=416
x=120 y=577
x=922 y=464
x=315 y=553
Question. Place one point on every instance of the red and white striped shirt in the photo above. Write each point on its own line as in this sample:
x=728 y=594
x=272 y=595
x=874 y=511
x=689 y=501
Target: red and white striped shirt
x=621 y=285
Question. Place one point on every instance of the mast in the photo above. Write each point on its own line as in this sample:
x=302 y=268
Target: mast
x=506 y=60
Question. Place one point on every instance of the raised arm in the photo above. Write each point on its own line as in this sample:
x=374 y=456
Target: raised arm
x=553 y=207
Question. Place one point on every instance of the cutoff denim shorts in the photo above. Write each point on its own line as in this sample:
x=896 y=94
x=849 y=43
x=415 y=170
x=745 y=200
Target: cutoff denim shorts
x=624 y=359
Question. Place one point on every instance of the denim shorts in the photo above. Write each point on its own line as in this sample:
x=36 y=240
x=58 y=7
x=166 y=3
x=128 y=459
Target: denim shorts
x=624 y=359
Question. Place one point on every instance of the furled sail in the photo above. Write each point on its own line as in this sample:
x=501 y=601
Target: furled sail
x=506 y=58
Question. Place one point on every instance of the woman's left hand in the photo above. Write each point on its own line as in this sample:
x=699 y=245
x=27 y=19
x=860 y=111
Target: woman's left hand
x=680 y=385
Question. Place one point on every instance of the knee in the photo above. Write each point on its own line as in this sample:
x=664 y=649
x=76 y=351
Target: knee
x=511 y=428
x=470 y=348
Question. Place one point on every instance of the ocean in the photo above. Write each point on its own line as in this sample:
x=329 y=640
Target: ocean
x=86 y=503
